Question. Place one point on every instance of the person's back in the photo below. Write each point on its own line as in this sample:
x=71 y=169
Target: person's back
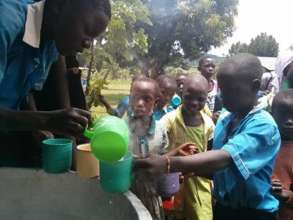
x=23 y=59
x=282 y=179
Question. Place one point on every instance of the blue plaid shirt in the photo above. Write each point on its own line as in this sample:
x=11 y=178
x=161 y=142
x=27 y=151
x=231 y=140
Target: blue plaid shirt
x=24 y=61
x=253 y=146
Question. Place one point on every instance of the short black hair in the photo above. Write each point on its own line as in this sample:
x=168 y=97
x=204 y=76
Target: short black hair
x=167 y=80
x=196 y=78
x=281 y=99
x=243 y=64
x=202 y=59
x=151 y=81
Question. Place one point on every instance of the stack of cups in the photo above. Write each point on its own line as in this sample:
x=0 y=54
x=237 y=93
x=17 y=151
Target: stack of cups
x=57 y=155
x=109 y=138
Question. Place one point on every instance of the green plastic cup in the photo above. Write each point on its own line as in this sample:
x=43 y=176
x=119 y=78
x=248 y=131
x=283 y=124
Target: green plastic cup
x=56 y=155
x=109 y=138
x=116 y=177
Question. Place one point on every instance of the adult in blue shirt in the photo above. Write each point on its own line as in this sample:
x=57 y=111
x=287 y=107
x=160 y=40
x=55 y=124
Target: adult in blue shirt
x=246 y=142
x=32 y=35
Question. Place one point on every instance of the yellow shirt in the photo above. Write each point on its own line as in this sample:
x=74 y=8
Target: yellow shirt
x=196 y=191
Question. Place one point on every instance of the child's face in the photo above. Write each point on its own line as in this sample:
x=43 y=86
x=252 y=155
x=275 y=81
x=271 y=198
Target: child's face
x=194 y=98
x=166 y=94
x=207 y=68
x=143 y=98
x=180 y=83
x=238 y=94
x=284 y=118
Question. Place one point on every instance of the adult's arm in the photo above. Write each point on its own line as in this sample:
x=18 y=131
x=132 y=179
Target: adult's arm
x=67 y=121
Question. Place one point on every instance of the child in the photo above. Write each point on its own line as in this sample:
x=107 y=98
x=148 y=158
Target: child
x=246 y=142
x=146 y=137
x=189 y=124
x=206 y=66
x=167 y=86
x=123 y=105
x=282 y=180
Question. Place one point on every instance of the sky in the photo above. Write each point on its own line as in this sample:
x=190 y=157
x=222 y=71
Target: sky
x=274 y=17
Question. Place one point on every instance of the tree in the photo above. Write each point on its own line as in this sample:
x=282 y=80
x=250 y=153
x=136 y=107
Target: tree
x=196 y=24
x=264 y=45
x=121 y=45
x=238 y=48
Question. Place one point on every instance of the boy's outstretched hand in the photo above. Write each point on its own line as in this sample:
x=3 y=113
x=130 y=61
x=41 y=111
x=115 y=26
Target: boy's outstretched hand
x=187 y=149
x=154 y=164
x=184 y=150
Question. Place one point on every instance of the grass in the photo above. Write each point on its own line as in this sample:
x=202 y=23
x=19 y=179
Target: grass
x=116 y=90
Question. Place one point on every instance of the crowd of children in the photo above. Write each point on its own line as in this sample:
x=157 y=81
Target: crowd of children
x=235 y=169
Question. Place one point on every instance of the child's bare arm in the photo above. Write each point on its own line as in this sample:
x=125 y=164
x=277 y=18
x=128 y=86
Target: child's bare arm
x=202 y=164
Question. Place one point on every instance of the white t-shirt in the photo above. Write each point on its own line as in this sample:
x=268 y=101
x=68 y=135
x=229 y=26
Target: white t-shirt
x=212 y=96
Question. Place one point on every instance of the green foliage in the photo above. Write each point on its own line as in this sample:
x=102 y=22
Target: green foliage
x=120 y=45
x=176 y=71
x=96 y=85
x=142 y=33
x=238 y=48
x=196 y=24
x=124 y=41
x=262 y=45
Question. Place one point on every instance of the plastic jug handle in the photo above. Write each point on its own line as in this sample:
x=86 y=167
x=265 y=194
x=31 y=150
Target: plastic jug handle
x=88 y=133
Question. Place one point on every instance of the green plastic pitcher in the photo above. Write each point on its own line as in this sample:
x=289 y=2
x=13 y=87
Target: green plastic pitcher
x=109 y=138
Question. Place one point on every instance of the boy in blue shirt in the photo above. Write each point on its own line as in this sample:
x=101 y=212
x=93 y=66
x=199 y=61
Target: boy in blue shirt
x=246 y=142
